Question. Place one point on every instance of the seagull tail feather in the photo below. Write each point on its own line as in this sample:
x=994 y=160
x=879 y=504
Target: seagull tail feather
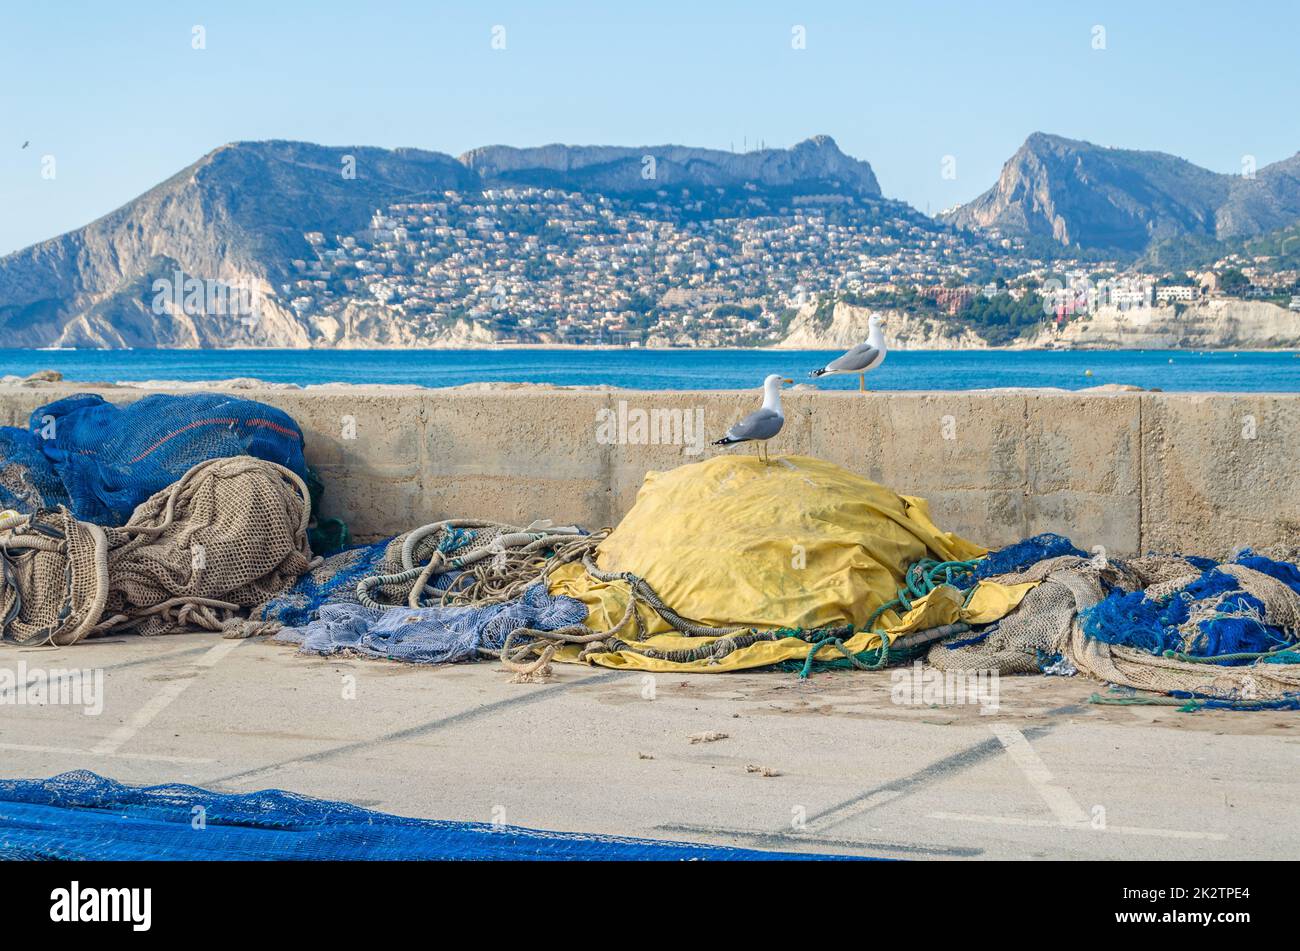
x=817 y=373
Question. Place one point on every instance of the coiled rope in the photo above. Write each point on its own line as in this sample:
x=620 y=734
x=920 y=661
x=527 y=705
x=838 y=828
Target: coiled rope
x=518 y=558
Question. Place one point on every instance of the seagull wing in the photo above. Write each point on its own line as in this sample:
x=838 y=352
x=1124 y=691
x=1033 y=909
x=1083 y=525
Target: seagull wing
x=760 y=424
x=856 y=360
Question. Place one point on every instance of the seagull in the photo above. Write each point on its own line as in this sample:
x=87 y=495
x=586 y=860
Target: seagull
x=762 y=424
x=863 y=357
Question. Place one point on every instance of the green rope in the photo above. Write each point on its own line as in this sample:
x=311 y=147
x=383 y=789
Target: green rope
x=1146 y=701
x=1193 y=704
x=858 y=661
x=919 y=579
x=1282 y=650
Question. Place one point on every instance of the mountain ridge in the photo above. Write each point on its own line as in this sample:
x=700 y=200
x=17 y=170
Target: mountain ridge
x=242 y=213
x=238 y=214
x=1079 y=194
x=628 y=169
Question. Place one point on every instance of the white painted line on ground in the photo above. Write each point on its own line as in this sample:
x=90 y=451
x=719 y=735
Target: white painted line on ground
x=1069 y=814
x=69 y=751
x=161 y=700
x=1064 y=806
x=1052 y=823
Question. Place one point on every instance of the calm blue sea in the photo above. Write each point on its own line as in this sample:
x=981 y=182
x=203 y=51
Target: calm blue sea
x=679 y=369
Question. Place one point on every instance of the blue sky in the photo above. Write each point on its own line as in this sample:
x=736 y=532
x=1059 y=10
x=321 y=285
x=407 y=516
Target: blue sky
x=121 y=100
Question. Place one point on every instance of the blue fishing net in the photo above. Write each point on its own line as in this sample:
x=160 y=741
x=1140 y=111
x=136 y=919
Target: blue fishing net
x=102 y=460
x=1023 y=554
x=1286 y=573
x=27 y=480
x=431 y=635
x=1211 y=618
x=1288 y=702
x=333 y=581
x=82 y=816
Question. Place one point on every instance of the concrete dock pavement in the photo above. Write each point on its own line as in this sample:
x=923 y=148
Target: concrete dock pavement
x=831 y=764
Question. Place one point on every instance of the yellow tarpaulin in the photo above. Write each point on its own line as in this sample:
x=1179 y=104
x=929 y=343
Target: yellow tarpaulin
x=801 y=543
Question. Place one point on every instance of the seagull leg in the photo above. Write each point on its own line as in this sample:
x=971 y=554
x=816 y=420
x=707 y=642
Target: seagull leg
x=862 y=383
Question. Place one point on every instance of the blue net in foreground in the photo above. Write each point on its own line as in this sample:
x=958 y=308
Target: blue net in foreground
x=82 y=816
x=101 y=460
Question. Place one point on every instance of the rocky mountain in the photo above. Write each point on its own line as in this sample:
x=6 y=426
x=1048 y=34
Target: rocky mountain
x=1267 y=202
x=237 y=218
x=1083 y=195
x=815 y=164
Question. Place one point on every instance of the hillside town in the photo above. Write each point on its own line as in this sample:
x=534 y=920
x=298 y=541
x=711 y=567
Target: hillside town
x=534 y=265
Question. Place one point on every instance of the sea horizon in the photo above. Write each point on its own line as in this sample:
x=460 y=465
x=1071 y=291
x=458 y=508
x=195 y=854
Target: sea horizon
x=1247 y=371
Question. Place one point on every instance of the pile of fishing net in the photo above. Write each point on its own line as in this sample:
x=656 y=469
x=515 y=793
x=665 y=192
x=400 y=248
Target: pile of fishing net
x=448 y=591
x=182 y=512
x=224 y=538
x=1208 y=633
x=731 y=564
x=170 y=513
x=722 y=565
x=101 y=460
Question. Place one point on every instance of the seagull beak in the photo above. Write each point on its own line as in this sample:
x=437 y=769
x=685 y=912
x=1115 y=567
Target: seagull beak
x=786 y=380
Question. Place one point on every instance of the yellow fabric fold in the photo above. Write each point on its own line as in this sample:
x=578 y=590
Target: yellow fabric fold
x=801 y=543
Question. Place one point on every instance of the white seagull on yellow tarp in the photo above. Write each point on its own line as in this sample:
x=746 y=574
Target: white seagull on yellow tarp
x=862 y=358
x=762 y=424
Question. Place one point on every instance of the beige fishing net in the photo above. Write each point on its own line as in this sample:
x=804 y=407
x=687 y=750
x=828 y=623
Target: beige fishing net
x=53 y=577
x=225 y=537
x=1046 y=625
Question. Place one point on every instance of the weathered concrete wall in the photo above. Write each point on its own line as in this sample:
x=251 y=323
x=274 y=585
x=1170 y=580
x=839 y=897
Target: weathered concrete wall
x=1130 y=471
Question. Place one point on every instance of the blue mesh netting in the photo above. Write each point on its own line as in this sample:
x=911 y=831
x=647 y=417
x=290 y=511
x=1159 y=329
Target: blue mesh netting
x=1289 y=702
x=1025 y=553
x=82 y=816
x=1288 y=574
x=102 y=460
x=27 y=480
x=431 y=635
x=334 y=580
x=1231 y=621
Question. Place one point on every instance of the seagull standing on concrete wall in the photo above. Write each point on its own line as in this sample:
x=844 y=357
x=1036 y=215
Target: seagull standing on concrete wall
x=863 y=357
x=762 y=424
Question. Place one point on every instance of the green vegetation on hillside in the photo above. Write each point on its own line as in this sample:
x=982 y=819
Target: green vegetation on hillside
x=1190 y=254
x=999 y=319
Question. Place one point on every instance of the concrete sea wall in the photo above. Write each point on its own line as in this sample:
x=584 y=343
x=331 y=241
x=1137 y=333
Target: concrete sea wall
x=1199 y=473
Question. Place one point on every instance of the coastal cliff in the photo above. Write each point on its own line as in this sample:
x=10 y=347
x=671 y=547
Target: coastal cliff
x=1213 y=325
x=847 y=327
